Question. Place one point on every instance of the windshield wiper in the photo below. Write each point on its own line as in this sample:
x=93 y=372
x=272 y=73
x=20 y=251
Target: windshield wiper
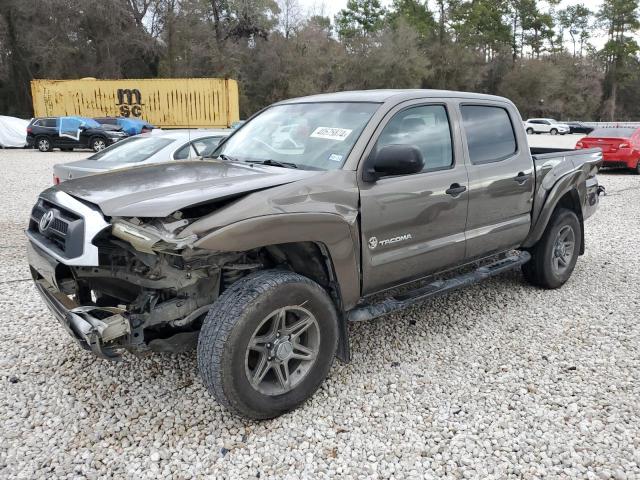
x=274 y=163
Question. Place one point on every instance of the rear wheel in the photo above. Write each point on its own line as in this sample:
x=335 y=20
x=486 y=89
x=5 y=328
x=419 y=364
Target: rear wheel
x=44 y=144
x=268 y=343
x=637 y=169
x=553 y=131
x=98 y=144
x=555 y=255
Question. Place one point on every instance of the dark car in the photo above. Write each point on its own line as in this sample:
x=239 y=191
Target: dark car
x=131 y=126
x=67 y=133
x=579 y=127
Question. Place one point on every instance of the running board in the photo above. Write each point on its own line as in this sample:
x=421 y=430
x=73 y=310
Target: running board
x=437 y=288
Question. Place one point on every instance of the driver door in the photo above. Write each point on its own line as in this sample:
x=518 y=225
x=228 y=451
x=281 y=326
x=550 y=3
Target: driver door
x=414 y=225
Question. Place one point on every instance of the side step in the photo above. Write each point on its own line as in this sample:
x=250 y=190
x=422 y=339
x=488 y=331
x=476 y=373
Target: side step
x=439 y=287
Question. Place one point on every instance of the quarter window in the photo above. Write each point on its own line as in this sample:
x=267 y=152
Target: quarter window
x=183 y=153
x=425 y=127
x=490 y=135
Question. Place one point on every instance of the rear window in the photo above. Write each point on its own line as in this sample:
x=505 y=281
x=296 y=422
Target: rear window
x=489 y=131
x=133 y=149
x=613 y=132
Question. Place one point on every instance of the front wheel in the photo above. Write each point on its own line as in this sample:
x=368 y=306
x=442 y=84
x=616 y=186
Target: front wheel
x=553 y=131
x=98 y=144
x=268 y=343
x=637 y=169
x=529 y=131
x=555 y=255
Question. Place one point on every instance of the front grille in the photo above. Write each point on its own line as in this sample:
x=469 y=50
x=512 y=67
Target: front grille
x=65 y=231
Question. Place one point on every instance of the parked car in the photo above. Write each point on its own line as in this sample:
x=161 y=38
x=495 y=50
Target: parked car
x=546 y=125
x=263 y=255
x=13 y=132
x=131 y=126
x=143 y=149
x=67 y=133
x=620 y=146
x=579 y=127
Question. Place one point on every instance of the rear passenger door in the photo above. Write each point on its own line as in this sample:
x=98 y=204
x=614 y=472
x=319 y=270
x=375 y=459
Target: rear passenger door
x=413 y=225
x=501 y=180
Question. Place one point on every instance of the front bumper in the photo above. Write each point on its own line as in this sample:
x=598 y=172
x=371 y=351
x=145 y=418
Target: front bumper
x=95 y=329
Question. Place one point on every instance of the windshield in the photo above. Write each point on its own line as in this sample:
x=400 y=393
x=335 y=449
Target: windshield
x=133 y=149
x=314 y=136
x=612 y=132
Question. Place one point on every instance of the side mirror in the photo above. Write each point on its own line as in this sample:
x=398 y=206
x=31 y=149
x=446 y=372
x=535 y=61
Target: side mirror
x=393 y=160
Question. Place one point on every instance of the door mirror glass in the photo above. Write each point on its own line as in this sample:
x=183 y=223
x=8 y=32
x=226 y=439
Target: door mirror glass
x=394 y=160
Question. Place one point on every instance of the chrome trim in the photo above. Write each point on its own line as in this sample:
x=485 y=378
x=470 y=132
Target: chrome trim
x=94 y=223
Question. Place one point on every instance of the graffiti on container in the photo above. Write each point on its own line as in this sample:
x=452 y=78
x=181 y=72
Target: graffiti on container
x=130 y=102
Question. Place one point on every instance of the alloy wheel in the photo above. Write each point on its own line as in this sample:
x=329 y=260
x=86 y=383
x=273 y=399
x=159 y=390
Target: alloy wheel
x=282 y=350
x=563 y=248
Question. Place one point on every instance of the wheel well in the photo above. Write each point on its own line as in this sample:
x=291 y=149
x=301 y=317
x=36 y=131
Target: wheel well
x=571 y=201
x=313 y=260
x=309 y=259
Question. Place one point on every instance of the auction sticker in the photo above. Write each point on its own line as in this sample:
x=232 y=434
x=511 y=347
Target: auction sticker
x=329 y=133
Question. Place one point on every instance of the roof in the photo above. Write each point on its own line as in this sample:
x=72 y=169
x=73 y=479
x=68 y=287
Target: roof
x=188 y=134
x=381 y=96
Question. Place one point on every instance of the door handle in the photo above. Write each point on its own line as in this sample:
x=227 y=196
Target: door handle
x=455 y=189
x=522 y=177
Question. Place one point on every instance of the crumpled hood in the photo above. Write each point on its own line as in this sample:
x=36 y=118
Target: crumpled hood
x=159 y=190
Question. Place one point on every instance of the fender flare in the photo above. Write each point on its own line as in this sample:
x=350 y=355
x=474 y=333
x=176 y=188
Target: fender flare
x=334 y=232
x=569 y=184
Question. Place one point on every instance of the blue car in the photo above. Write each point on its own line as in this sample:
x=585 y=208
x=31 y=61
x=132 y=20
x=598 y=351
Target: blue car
x=131 y=126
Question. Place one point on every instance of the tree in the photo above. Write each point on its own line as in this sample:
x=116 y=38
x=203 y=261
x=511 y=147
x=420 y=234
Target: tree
x=361 y=17
x=415 y=14
x=575 y=19
x=618 y=18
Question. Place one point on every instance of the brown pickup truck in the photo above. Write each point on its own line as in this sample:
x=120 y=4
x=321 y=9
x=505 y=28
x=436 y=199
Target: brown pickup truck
x=262 y=255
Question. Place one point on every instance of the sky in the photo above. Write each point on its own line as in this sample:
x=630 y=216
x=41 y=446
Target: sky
x=330 y=8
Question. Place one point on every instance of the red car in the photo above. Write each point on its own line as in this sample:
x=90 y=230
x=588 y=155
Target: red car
x=620 y=146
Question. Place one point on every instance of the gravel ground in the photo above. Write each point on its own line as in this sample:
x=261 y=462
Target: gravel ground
x=500 y=380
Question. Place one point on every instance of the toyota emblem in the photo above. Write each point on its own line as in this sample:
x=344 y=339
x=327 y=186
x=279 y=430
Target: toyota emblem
x=45 y=221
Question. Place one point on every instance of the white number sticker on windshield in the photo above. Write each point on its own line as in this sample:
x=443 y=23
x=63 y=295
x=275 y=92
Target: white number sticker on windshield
x=329 y=133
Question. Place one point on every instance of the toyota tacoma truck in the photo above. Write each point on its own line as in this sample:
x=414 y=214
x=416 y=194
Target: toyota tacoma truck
x=308 y=217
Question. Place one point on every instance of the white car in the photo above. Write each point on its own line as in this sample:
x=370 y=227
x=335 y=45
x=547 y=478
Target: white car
x=546 y=125
x=144 y=149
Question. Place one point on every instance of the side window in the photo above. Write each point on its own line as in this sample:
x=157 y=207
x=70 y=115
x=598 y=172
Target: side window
x=49 y=122
x=490 y=135
x=426 y=127
x=183 y=153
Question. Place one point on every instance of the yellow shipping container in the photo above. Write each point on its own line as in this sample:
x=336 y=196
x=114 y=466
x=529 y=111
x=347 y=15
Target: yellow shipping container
x=165 y=102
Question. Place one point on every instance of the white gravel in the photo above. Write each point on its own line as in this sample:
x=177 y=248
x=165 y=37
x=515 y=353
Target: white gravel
x=501 y=380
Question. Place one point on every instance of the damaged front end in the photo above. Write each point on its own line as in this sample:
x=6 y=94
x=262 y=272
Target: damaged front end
x=125 y=283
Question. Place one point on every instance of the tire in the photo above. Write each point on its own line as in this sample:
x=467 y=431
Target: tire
x=553 y=131
x=242 y=315
x=44 y=144
x=542 y=269
x=637 y=169
x=530 y=131
x=97 y=144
